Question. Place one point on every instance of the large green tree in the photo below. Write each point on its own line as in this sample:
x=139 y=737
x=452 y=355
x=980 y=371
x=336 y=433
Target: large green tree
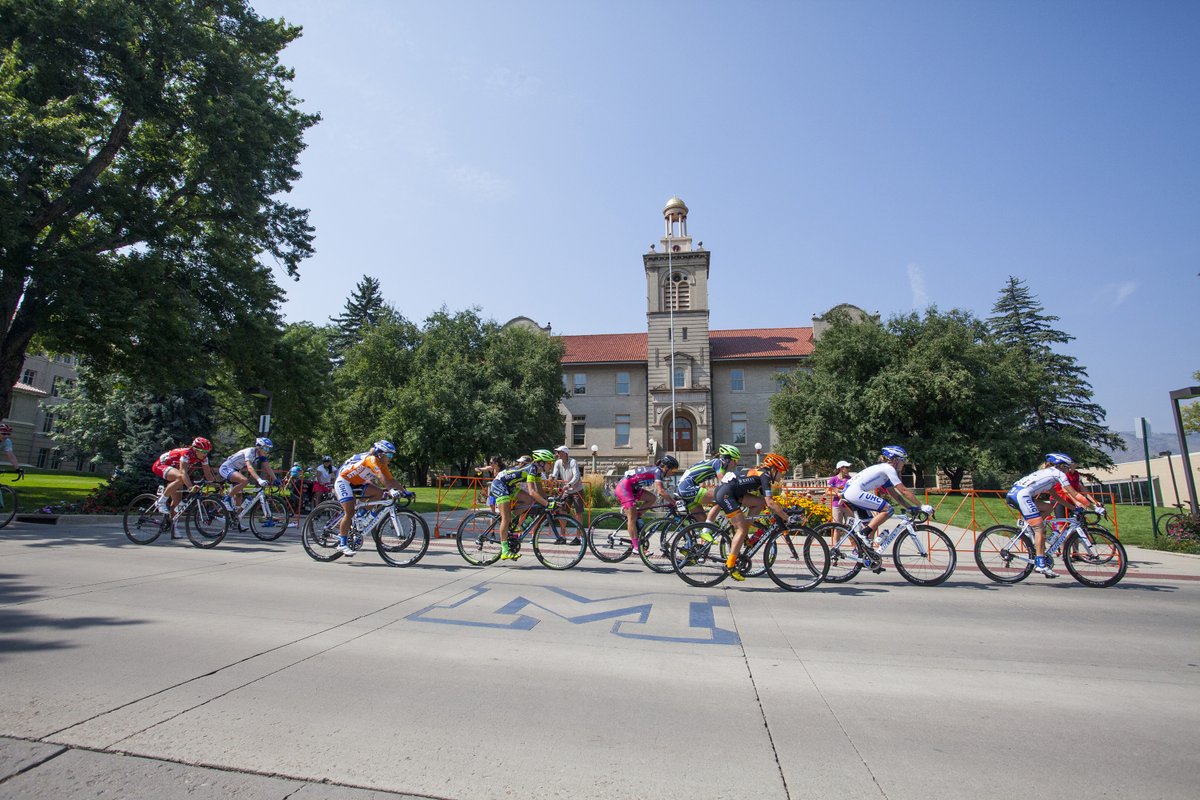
x=145 y=148
x=364 y=309
x=1191 y=412
x=1051 y=387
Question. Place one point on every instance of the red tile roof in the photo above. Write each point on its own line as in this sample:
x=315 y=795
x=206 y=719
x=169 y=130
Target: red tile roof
x=25 y=387
x=600 y=348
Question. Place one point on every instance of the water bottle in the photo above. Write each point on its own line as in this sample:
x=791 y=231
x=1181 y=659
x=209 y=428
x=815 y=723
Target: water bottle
x=885 y=539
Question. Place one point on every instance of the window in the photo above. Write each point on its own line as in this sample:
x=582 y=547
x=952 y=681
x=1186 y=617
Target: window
x=622 y=430
x=677 y=293
x=580 y=383
x=680 y=377
x=739 y=427
x=622 y=383
x=685 y=334
x=578 y=431
x=737 y=380
x=48 y=423
x=56 y=386
x=29 y=377
x=56 y=459
x=43 y=454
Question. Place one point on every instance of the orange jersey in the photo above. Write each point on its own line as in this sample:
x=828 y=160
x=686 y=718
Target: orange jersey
x=369 y=468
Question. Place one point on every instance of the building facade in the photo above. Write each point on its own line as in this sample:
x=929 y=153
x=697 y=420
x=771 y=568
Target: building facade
x=43 y=381
x=679 y=387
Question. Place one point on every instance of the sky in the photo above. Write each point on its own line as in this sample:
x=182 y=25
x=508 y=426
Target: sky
x=516 y=156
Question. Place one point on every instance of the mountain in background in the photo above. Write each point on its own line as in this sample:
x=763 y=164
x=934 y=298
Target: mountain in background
x=1158 y=443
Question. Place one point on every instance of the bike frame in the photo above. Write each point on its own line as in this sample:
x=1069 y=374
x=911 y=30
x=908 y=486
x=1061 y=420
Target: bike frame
x=1062 y=527
x=904 y=524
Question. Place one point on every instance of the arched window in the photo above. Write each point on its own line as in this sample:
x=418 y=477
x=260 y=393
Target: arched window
x=677 y=293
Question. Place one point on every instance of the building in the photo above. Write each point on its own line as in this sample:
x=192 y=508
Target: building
x=43 y=381
x=1128 y=483
x=679 y=387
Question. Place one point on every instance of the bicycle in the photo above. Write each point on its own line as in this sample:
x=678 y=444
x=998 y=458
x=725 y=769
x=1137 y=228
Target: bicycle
x=923 y=555
x=401 y=535
x=796 y=558
x=202 y=513
x=608 y=537
x=266 y=512
x=1169 y=524
x=1093 y=556
x=8 y=500
x=559 y=541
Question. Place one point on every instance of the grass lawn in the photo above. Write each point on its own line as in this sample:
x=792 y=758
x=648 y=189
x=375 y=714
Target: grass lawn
x=46 y=488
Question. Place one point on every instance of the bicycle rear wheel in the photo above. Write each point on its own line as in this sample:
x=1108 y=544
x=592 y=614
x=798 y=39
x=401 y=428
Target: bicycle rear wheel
x=206 y=523
x=845 y=551
x=608 y=537
x=479 y=538
x=1098 y=564
x=698 y=554
x=1002 y=555
x=8 y=505
x=320 y=532
x=559 y=542
x=654 y=545
x=928 y=569
x=402 y=538
x=143 y=521
x=797 y=558
x=270 y=524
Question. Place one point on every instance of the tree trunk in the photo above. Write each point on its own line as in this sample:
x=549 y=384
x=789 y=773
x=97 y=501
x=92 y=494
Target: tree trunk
x=955 y=476
x=13 y=348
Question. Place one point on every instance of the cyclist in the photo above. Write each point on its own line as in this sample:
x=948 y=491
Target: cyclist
x=251 y=459
x=176 y=467
x=1022 y=496
x=692 y=493
x=520 y=483
x=369 y=470
x=868 y=489
x=750 y=488
x=566 y=471
x=6 y=447
x=637 y=490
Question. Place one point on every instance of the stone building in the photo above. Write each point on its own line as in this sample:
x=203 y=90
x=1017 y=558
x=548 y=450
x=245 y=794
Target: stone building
x=31 y=415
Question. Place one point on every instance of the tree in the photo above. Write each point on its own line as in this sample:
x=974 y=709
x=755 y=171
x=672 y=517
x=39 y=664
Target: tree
x=364 y=309
x=1191 y=412
x=1051 y=387
x=144 y=149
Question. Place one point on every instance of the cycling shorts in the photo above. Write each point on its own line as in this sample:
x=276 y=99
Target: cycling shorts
x=866 y=501
x=627 y=495
x=1020 y=498
x=342 y=489
x=160 y=469
x=694 y=498
x=226 y=470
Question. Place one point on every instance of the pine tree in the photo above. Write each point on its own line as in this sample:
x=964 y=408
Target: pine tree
x=364 y=309
x=1053 y=387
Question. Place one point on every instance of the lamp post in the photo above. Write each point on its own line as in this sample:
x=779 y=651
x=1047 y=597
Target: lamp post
x=1178 y=396
x=594 y=451
x=757 y=453
x=264 y=421
x=1171 y=466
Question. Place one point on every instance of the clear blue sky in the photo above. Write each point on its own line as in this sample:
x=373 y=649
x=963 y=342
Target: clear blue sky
x=516 y=156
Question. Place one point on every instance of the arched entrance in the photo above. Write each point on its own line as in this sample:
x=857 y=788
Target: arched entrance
x=684 y=439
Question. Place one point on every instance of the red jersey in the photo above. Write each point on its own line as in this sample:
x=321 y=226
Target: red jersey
x=183 y=458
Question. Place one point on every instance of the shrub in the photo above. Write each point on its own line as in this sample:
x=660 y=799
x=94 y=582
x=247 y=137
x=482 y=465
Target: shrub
x=594 y=493
x=1185 y=537
x=815 y=513
x=113 y=496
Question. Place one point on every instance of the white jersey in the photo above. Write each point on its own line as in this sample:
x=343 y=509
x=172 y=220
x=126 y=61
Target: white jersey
x=238 y=460
x=1042 y=481
x=873 y=477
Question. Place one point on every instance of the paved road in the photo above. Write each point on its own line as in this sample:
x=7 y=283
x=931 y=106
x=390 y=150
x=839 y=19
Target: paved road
x=252 y=671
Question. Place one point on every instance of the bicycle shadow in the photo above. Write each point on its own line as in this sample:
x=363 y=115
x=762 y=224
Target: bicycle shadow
x=20 y=624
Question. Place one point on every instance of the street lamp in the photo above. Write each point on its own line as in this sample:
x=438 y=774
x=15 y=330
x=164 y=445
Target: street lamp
x=595 y=449
x=1177 y=397
x=757 y=452
x=264 y=421
x=1171 y=465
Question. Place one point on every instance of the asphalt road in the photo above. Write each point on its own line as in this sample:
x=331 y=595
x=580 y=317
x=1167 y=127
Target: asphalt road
x=252 y=671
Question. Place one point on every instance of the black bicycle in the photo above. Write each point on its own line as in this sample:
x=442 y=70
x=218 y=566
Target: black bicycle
x=559 y=541
x=796 y=556
x=202 y=514
x=8 y=500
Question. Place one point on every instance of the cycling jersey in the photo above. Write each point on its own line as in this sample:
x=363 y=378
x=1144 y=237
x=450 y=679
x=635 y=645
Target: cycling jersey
x=860 y=491
x=7 y=447
x=700 y=473
x=1021 y=495
x=735 y=486
x=238 y=460
x=181 y=458
x=634 y=482
x=509 y=481
x=366 y=468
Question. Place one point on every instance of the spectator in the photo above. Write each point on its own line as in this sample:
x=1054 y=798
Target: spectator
x=323 y=481
x=837 y=485
x=566 y=470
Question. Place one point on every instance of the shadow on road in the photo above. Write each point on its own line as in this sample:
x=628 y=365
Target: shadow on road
x=22 y=627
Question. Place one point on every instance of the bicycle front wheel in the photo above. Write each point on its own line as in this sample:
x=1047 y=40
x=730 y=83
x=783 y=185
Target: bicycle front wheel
x=654 y=545
x=320 y=532
x=8 y=505
x=206 y=523
x=797 y=558
x=1003 y=555
x=479 y=538
x=1098 y=563
x=608 y=537
x=402 y=538
x=698 y=554
x=143 y=521
x=269 y=524
x=925 y=557
x=559 y=542
x=1172 y=525
x=845 y=551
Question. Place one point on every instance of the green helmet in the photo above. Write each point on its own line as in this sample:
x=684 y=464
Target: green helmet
x=542 y=455
x=729 y=451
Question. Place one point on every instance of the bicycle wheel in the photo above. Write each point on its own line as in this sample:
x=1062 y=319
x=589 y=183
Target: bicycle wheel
x=1100 y=563
x=608 y=537
x=797 y=558
x=933 y=566
x=654 y=545
x=206 y=523
x=697 y=553
x=1172 y=525
x=559 y=542
x=269 y=524
x=479 y=538
x=8 y=505
x=143 y=521
x=402 y=538
x=1002 y=555
x=320 y=532
x=845 y=552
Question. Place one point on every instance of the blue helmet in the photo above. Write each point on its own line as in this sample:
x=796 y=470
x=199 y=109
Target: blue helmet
x=1059 y=459
x=385 y=447
x=894 y=451
x=264 y=443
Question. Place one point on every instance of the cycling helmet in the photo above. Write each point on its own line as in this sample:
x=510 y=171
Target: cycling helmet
x=668 y=462
x=543 y=455
x=5 y=427
x=385 y=447
x=201 y=444
x=1059 y=459
x=777 y=462
x=264 y=443
x=326 y=459
x=729 y=451
x=894 y=451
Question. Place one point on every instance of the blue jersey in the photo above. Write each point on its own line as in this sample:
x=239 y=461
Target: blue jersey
x=699 y=473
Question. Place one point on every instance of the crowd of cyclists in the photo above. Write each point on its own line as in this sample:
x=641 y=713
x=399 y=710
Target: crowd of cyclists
x=705 y=490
